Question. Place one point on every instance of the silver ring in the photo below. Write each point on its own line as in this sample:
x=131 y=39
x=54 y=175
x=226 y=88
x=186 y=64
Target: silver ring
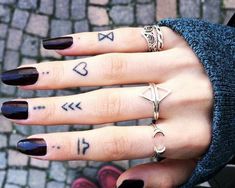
x=155 y=98
x=158 y=152
x=154 y=37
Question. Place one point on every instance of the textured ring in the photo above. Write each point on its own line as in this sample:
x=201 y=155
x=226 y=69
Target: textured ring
x=158 y=151
x=159 y=37
x=150 y=35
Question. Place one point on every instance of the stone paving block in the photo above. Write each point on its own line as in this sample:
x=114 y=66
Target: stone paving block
x=37 y=129
x=127 y=123
x=12 y=186
x=78 y=9
x=77 y=164
x=38 y=25
x=58 y=128
x=6 y=125
x=144 y=1
x=3 y=140
x=14 y=39
x=60 y=27
x=2 y=177
x=102 y=28
x=81 y=26
x=139 y=161
x=8 y=2
x=27 y=61
x=2 y=47
x=27 y=4
x=39 y=163
x=17 y=176
x=3 y=29
x=11 y=60
x=145 y=13
x=24 y=93
x=53 y=184
x=62 y=9
x=23 y=129
x=15 y=158
x=5 y=13
x=37 y=178
x=81 y=127
x=166 y=9
x=98 y=16
x=57 y=171
x=20 y=18
x=121 y=1
x=46 y=7
x=71 y=176
x=144 y=121
x=229 y=4
x=95 y=164
x=99 y=2
x=122 y=15
x=44 y=93
x=14 y=138
x=190 y=8
x=122 y=164
x=7 y=90
x=211 y=11
x=90 y=172
x=3 y=160
x=30 y=46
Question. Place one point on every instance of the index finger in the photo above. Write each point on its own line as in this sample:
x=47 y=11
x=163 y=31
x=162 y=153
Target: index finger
x=117 y=40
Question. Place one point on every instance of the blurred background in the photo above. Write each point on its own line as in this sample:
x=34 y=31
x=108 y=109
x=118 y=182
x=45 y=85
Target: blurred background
x=23 y=23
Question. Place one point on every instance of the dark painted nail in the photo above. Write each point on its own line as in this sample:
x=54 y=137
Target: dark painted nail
x=21 y=77
x=59 y=43
x=132 y=183
x=32 y=146
x=15 y=109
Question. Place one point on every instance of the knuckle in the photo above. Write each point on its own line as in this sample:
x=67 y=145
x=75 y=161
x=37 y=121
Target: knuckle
x=116 y=146
x=57 y=79
x=49 y=113
x=109 y=105
x=115 y=67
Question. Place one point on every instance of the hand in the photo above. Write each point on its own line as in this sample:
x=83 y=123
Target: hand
x=185 y=115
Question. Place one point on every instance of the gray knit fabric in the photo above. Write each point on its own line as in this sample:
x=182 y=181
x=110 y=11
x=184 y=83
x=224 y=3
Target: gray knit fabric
x=214 y=45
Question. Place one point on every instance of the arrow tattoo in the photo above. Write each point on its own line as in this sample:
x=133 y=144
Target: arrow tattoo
x=71 y=106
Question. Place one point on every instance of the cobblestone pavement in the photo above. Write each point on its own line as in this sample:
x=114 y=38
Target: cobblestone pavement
x=23 y=23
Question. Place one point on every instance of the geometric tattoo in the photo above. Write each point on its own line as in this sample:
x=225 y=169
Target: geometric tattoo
x=109 y=36
x=81 y=69
x=39 y=107
x=84 y=145
x=71 y=106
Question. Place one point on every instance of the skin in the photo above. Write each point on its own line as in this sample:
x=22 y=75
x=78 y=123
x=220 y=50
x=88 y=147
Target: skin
x=185 y=115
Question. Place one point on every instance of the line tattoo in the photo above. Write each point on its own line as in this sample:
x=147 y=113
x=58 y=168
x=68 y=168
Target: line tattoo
x=81 y=68
x=102 y=36
x=39 y=107
x=71 y=106
x=82 y=144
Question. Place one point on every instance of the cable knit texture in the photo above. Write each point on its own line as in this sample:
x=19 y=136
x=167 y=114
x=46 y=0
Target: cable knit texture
x=214 y=44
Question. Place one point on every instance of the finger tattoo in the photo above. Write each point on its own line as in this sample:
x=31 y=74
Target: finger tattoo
x=71 y=106
x=81 y=69
x=84 y=145
x=39 y=107
x=102 y=36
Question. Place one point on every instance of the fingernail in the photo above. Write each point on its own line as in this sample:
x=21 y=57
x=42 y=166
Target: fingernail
x=59 y=43
x=15 y=109
x=21 y=77
x=132 y=183
x=32 y=146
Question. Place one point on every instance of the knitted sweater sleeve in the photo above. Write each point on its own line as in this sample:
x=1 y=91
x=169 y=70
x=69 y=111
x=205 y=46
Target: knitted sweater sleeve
x=214 y=45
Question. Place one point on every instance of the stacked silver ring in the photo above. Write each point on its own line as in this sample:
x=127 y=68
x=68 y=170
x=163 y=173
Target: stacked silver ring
x=154 y=37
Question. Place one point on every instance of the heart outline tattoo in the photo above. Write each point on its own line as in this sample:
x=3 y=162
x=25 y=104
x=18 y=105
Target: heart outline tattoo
x=80 y=68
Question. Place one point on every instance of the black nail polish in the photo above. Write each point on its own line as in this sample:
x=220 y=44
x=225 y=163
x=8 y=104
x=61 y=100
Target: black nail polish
x=21 y=77
x=15 y=109
x=132 y=184
x=32 y=146
x=59 y=43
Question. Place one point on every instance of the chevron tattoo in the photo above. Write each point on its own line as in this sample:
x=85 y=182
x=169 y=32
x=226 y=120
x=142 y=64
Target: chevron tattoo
x=109 y=36
x=71 y=106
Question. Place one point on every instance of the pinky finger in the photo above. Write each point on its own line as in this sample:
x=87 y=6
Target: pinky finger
x=168 y=173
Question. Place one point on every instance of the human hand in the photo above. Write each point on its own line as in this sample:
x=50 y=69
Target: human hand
x=185 y=115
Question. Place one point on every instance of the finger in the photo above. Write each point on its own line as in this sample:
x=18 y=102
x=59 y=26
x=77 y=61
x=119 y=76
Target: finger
x=168 y=173
x=96 y=107
x=114 y=143
x=109 y=69
x=118 y=40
